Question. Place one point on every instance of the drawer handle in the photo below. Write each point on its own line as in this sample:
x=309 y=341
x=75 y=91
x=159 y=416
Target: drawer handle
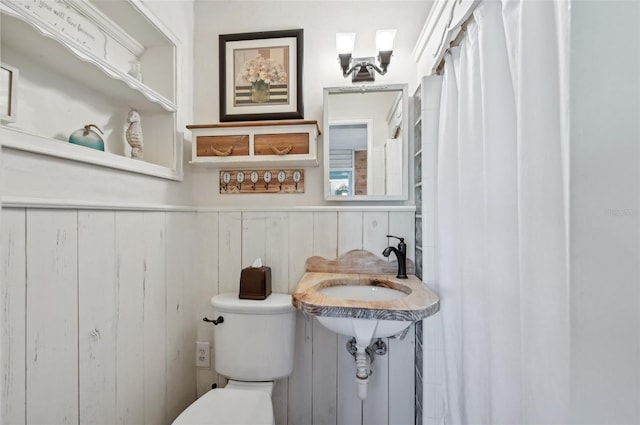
x=226 y=152
x=283 y=151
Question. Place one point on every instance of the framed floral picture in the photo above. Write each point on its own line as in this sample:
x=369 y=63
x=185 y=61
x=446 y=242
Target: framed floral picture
x=261 y=75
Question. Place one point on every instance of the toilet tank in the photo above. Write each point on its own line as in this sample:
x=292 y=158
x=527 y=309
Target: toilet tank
x=256 y=340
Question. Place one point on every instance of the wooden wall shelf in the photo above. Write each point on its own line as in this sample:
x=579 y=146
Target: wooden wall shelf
x=261 y=143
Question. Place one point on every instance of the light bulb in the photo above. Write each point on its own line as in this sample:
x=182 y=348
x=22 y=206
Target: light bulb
x=345 y=42
x=385 y=39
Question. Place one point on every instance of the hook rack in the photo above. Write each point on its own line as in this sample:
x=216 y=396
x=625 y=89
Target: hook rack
x=287 y=181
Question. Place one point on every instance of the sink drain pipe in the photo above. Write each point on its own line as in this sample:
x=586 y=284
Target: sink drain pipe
x=363 y=365
x=364 y=356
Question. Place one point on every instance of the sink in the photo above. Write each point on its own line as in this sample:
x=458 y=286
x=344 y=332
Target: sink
x=355 y=295
x=358 y=291
x=362 y=305
x=362 y=292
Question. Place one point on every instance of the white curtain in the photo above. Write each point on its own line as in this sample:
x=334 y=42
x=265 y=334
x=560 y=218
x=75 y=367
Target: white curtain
x=502 y=211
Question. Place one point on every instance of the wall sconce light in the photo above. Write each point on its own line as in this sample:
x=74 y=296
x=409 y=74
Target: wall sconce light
x=364 y=69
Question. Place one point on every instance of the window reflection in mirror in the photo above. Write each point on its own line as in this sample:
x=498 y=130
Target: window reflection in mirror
x=366 y=144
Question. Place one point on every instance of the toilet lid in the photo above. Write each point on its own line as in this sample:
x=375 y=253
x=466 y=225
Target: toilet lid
x=229 y=407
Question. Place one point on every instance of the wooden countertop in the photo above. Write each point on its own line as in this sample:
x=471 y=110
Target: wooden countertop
x=419 y=303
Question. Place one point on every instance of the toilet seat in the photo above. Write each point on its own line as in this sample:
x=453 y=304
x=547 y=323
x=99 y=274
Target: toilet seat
x=229 y=407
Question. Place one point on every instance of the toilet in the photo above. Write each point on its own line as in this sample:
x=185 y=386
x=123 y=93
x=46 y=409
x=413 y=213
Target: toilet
x=253 y=347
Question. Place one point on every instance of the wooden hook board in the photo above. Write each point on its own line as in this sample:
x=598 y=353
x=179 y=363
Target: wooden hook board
x=262 y=181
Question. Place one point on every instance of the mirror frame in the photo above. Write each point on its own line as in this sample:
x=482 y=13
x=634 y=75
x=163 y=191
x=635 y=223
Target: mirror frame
x=405 y=141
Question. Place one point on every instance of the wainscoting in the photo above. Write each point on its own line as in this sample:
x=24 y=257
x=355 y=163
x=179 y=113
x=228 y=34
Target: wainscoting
x=97 y=324
x=322 y=388
x=102 y=308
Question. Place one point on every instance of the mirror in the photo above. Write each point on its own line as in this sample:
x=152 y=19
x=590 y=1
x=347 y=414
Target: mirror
x=366 y=143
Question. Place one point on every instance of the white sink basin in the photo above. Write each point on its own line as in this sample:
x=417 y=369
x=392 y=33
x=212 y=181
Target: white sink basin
x=363 y=329
x=362 y=292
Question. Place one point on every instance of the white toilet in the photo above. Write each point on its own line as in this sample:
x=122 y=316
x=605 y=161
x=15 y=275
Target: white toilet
x=253 y=346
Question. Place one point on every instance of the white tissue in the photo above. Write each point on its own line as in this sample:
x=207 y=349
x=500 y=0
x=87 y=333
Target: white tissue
x=257 y=262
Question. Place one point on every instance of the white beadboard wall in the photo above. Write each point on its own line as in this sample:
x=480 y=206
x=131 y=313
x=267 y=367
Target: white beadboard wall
x=97 y=318
x=102 y=309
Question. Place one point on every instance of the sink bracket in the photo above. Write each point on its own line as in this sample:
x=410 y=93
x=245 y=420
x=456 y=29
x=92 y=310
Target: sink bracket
x=377 y=347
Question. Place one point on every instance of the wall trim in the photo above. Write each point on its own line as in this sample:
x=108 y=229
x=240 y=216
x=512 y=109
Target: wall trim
x=44 y=203
x=312 y=208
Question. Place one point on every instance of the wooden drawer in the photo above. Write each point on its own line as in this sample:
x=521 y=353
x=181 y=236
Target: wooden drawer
x=256 y=144
x=223 y=145
x=281 y=144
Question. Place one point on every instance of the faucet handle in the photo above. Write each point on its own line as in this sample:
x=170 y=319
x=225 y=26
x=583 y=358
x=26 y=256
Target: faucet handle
x=397 y=237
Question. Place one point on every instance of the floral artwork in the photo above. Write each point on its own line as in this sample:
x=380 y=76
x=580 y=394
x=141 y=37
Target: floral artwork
x=261 y=75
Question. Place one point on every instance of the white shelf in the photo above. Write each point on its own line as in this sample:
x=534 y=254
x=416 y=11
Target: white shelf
x=255 y=162
x=75 y=56
x=44 y=44
x=20 y=140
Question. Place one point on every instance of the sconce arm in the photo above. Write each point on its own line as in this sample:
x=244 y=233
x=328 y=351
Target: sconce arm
x=361 y=65
x=384 y=57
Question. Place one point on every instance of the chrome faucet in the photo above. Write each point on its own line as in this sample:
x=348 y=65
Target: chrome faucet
x=401 y=255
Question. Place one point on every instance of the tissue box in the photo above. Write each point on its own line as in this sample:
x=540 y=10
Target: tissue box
x=255 y=283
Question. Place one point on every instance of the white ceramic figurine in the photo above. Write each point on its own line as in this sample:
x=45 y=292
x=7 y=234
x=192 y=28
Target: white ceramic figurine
x=134 y=134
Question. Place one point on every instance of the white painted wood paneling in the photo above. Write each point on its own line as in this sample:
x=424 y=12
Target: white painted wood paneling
x=97 y=312
x=155 y=319
x=401 y=383
x=401 y=352
x=350 y=236
x=52 y=317
x=229 y=251
x=325 y=234
x=325 y=244
x=279 y=400
x=300 y=398
x=349 y=231
x=13 y=318
x=130 y=280
x=207 y=284
x=300 y=246
x=277 y=250
x=265 y=236
x=402 y=224
x=376 y=406
x=375 y=231
x=181 y=328
x=163 y=268
x=254 y=238
x=229 y=257
x=324 y=368
x=349 y=405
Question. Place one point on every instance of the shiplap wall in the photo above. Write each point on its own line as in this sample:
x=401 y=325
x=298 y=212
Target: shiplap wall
x=322 y=388
x=101 y=311
x=97 y=317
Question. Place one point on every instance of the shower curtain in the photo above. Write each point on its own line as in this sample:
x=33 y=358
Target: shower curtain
x=502 y=211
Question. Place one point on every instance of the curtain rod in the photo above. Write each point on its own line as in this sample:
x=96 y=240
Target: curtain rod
x=455 y=42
